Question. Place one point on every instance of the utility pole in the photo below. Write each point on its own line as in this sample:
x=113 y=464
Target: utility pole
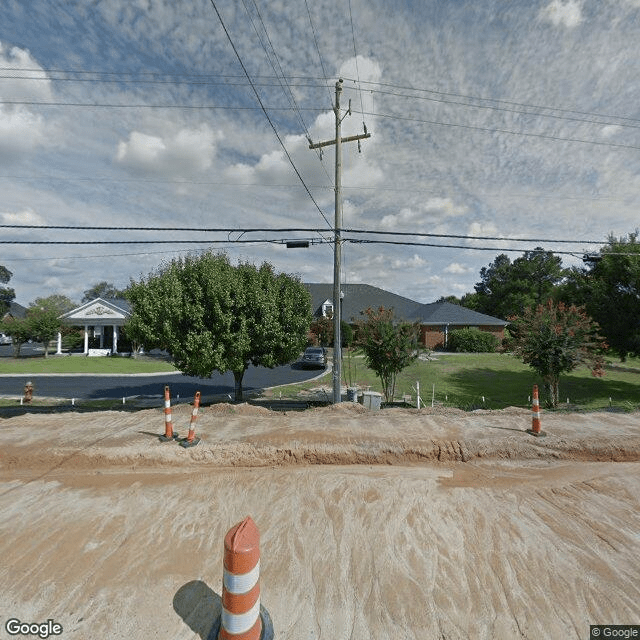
x=337 y=237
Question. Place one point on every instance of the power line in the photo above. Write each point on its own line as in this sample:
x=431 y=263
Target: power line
x=207 y=79
x=502 y=101
x=506 y=131
x=315 y=40
x=288 y=93
x=406 y=189
x=112 y=105
x=281 y=230
x=317 y=109
x=275 y=131
x=514 y=110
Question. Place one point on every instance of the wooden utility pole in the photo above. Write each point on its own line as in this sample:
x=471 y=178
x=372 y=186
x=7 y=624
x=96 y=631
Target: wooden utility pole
x=337 y=239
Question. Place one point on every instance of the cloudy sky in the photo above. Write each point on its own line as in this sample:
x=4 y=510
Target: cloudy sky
x=489 y=119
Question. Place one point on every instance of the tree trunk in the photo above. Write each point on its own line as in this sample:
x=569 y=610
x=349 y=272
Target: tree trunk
x=238 y=375
x=553 y=387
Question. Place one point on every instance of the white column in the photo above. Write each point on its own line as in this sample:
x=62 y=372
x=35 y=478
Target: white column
x=86 y=339
x=102 y=337
x=59 y=351
x=114 y=348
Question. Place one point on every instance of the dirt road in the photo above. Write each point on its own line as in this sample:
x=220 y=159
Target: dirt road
x=395 y=524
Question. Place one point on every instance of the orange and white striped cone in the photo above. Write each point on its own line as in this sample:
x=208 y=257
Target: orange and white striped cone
x=168 y=425
x=535 y=415
x=191 y=440
x=243 y=617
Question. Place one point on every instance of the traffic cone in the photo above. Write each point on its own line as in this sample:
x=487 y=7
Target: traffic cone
x=243 y=617
x=168 y=425
x=191 y=440
x=535 y=415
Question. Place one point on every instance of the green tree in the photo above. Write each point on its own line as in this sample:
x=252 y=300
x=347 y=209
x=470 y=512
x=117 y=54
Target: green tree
x=212 y=316
x=388 y=346
x=43 y=324
x=609 y=287
x=7 y=294
x=104 y=290
x=56 y=302
x=18 y=329
x=506 y=287
x=555 y=338
x=322 y=329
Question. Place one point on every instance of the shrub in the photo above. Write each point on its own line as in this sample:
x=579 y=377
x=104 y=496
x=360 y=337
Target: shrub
x=472 y=340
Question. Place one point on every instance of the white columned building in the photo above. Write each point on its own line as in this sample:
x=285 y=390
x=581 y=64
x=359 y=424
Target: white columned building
x=99 y=317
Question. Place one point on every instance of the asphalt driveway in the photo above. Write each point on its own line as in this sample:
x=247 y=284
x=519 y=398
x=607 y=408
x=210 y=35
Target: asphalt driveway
x=90 y=387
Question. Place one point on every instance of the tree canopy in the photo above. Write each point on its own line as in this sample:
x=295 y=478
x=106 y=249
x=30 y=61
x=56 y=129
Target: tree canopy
x=555 y=338
x=388 y=346
x=609 y=287
x=213 y=316
x=506 y=287
x=105 y=290
x=7 y=294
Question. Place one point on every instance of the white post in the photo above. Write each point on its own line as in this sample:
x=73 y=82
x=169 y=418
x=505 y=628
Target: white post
x=418 y=392
x=86 y=339
x=114 y=348
x=59 y=351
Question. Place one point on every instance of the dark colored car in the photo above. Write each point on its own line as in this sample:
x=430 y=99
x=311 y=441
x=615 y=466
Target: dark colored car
x=313 y=357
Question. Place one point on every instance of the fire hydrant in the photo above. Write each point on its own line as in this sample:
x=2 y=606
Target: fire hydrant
x=28 y=391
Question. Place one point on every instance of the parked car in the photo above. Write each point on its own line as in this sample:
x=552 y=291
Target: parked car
x=313 y=357
x=4 y=339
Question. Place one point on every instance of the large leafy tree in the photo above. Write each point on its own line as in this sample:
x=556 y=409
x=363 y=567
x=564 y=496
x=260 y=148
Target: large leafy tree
x=506 y=287
x=105 y=290
x=388 y=346
x=609 y=287
x=18 y=329
x=213 y=316
x=7 y=294
x=555 y=338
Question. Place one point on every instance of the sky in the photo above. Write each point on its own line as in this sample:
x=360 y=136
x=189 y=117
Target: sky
x=496 y=127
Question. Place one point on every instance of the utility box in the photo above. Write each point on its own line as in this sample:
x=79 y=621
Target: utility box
x=372 y=400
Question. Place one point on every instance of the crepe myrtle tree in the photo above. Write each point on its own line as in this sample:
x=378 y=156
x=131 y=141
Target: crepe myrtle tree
x=213 y=316
x=388 y=346
x=555 y=338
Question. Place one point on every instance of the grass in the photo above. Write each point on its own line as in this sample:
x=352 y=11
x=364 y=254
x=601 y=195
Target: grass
x=467 y=381
x=495 y=381
x=82 y=364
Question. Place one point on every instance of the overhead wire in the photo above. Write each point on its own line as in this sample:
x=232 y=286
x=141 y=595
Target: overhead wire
x=281 y=76
x=378 y=114
x=237 y=54
x=279 y=230
x=315 y=40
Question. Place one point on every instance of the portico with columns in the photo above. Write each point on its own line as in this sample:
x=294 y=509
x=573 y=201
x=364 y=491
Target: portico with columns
x=100 y=318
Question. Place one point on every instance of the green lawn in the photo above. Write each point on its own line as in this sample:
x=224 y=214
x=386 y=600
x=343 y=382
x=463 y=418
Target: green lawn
x=82 y=364
x=495 y=381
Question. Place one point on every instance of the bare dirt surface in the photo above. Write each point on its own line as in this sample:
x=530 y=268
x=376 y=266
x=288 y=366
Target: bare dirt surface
x=431 y=524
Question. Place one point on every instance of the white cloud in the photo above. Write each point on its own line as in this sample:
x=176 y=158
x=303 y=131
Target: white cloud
x=433 y=211
x=414 y=262
x=21 y=129
x=610 y=130
x=559 y=13
x=183 y=153
x=26 y=216
x=457 y=268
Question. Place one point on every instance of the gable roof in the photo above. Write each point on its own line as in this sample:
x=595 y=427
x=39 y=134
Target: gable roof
x=99 y=312
x=358 y=297
x=16 y=310
x=453 y=314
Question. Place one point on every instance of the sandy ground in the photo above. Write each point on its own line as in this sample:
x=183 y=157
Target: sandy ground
x=387 y=525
